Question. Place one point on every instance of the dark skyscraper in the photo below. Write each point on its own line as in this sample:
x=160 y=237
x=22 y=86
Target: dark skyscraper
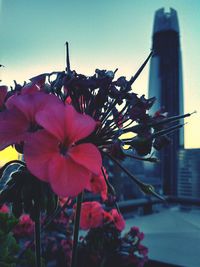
x=165 y=82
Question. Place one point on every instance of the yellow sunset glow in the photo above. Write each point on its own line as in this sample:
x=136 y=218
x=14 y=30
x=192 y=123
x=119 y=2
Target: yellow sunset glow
x=7 y=155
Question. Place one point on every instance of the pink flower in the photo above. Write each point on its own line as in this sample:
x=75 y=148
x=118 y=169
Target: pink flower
x=135 y=231
x=118 y=219
x=3 y=93
x=13 y=127
x=17 y=122
x=4 y=209
x=107 y=217
x=142 y=250
x=98 y=185
x=91 y=215
x=30 y=103
x=53 y=154
x=68 y=100
x=25 y=226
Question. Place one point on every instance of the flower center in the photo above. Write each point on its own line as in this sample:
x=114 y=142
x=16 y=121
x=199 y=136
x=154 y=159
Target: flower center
x=63 y=148
x=33 y=127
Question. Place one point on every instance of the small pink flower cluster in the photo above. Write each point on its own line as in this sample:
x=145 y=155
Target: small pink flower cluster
x=139 y=236
x=4 y=209
x=93 y=215
x=25 y=227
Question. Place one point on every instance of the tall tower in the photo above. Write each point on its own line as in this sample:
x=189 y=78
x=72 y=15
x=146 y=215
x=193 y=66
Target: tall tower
x=165 y=83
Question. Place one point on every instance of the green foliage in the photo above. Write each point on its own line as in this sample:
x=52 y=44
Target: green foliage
x=9 y=248
x=8 y=244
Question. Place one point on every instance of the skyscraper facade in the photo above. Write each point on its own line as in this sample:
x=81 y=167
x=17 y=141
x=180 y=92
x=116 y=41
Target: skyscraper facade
x=189 y=173
x=165 y=83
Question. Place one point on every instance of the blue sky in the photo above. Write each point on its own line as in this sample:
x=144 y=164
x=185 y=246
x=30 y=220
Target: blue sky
x=102 y=34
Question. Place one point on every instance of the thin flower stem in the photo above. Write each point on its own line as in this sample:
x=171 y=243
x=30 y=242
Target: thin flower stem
x=120 y=113
x=170 y=119
x=167 y=131
x=45 y=225
x=103 y=261
x=76 y=230
x=138 y=127
x=67 y=58
x=149 y=159
x=107 y=113
x=132 y=80
x=54 y=215
x=146 y=188
x=112 y=190
x=107 y=130
x=124 y=169
x=37 y=235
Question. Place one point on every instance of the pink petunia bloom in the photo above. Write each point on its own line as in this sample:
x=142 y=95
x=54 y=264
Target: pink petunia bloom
x=17 y=122
x=53 y=154
x=91 y=215
x=98 y=185
x=118 y=219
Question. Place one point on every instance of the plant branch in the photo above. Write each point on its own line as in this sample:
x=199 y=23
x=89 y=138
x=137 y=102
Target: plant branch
x=45 y=225
x=37 y=234
x=76 y=230
x=145 y=188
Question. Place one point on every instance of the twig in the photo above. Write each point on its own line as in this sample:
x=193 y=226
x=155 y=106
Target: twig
x=76 y=230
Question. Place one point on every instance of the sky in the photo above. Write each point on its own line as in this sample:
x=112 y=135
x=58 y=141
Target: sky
x=106 y=34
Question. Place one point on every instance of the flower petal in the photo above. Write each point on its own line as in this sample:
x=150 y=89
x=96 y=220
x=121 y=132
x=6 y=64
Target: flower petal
x=88 y=156
x=118 y=220
x=92 y=215
x=65 y=122
x=41 y=153
x=39 y=150
x=77 y=125
x=52 y=119
x=30 y=88
x=32 y=103
x=98 y=185
x=13 y=126
x=67 y=178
